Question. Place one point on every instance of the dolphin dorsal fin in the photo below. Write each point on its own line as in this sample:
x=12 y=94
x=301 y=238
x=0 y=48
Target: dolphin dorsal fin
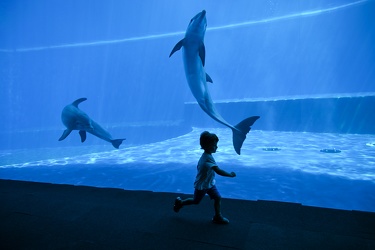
x=208 y=78
x=178 y=46
x=78 y=101
x=202 y=53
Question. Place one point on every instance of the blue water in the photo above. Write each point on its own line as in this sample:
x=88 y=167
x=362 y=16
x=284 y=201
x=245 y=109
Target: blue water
x=297 y=172
x=115 y=53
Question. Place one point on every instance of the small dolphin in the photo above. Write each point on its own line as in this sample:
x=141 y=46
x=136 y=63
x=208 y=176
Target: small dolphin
x=75 y=119
x=193 y=54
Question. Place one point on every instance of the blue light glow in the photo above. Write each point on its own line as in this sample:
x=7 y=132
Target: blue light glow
x=179 y=33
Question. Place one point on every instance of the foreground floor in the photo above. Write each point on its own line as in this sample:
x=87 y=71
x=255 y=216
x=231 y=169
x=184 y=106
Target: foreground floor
x=50 y=216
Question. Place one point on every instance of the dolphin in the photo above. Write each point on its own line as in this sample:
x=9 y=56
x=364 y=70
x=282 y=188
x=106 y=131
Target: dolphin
x=75 y=119
x=193 y=55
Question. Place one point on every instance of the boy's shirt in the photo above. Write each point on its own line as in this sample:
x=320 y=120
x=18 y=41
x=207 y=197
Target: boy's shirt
x=206 y=175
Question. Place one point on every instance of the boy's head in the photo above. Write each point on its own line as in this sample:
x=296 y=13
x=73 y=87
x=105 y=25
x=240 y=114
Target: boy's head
x=208 y=141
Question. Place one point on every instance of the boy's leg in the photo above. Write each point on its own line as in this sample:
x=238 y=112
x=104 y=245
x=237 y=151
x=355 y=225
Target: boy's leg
x=198 y=196
x=177 y=204
x=188 y=201
x=217 y=206
x=215 y=195
x=218 y=217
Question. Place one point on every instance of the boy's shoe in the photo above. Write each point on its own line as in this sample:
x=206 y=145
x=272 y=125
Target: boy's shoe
x=177 y=204
x=219 y=219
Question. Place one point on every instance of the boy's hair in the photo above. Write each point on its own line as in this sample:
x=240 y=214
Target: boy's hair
x=207 y=139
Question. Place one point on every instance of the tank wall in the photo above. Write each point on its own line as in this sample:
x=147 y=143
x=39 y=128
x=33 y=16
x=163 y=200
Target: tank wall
x=324 y=115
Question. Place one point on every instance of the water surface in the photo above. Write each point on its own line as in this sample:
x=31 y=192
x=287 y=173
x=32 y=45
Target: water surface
x=297 y=172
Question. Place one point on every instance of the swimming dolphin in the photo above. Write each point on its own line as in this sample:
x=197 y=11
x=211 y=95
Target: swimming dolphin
x=75 y=119
x=193 y=54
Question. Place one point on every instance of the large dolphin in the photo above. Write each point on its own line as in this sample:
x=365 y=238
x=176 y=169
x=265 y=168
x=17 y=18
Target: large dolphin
x=75 y=119
x=193 y=54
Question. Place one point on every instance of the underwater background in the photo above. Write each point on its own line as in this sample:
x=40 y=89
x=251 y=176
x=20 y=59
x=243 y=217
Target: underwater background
x=307 y=68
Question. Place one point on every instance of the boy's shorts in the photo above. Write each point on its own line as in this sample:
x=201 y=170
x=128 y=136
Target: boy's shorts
x=212 y=192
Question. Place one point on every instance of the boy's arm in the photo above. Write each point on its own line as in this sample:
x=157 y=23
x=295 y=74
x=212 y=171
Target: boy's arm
x=222 y=172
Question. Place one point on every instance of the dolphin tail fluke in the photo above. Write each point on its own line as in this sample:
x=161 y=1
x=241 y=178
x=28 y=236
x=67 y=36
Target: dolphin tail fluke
x=117 y=142
x=65 y=134
x=239 y=134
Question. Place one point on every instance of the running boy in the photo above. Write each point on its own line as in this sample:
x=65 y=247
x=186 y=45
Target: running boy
x=205 y=180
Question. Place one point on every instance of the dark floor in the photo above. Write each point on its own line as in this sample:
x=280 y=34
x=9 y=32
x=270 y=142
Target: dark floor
x=48 y=216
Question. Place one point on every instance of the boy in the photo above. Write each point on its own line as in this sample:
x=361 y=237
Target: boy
x=205 y=180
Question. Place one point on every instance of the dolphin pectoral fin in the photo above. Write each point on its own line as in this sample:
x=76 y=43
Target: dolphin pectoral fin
x=82 y=133
x=208 y=78
x=65 y=134
x=202 y=53
x=239 y=135
x=117 y=142
x=78 y=101
x=178 y=46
